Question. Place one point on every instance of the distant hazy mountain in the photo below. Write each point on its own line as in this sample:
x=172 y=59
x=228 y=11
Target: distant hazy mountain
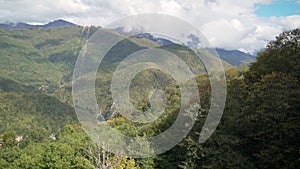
x=21 y=25
x=58 y=23
x=235 y=57
x=15 y=25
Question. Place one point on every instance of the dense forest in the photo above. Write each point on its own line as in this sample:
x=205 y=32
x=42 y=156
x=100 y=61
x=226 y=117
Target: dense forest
x=39 y=129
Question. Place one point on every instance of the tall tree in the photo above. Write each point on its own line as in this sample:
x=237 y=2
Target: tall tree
x=280 y=55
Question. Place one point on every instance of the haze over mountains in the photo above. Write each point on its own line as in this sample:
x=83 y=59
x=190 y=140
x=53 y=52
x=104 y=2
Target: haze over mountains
x=233 y=57
x=22 y=25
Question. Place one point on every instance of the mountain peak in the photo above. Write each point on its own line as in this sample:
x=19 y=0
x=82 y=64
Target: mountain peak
x=58 y=23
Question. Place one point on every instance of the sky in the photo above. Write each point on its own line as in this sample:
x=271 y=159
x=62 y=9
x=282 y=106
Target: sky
x=246 y=25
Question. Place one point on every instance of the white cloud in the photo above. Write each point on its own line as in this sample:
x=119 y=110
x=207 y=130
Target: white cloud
x=228 y=24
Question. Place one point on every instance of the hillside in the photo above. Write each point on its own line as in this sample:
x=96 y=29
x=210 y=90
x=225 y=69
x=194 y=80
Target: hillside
x=40 y=57
x=40 y=61
x=258 y=128
x=25 y=112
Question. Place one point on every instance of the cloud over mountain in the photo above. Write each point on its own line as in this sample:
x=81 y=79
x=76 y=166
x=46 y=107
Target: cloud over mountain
x=227 y=24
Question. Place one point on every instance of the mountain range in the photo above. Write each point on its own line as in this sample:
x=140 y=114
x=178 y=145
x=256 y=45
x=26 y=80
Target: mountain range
x=233 y=57
x=22 y=25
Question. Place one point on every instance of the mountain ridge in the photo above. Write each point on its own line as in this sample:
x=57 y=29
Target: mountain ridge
x=233 y=57
x=23 y=25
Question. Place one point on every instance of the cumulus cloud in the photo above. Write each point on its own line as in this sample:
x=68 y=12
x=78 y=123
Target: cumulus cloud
x=229 y=24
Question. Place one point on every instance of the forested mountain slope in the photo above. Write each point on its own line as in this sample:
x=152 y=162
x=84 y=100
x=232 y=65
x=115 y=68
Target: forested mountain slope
x=259 y=128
